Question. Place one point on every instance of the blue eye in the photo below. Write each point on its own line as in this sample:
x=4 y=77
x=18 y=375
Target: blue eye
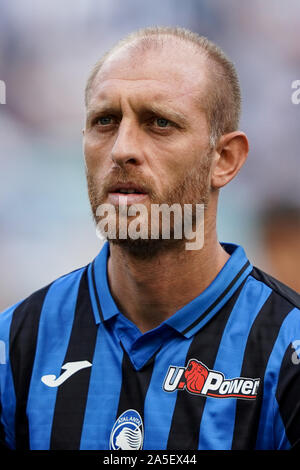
x=105 y=120
x=161 y=122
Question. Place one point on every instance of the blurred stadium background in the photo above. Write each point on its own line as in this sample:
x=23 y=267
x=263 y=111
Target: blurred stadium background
x=46 y=51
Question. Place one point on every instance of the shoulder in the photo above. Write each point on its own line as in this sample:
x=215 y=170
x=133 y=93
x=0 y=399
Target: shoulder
x=25 y=313
x=280 y=290
x=278 y=320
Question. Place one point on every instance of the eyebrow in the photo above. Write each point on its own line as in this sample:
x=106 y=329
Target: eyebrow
x=154 y=108
x=97 y=110
x=161 y=109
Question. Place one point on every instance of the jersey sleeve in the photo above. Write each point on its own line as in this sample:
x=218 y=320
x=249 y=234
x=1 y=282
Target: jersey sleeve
x=288 y=398
x=2 y=432
x=7 y=392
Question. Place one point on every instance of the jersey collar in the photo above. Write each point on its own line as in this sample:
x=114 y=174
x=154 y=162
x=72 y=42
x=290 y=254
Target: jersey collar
x=193 y=316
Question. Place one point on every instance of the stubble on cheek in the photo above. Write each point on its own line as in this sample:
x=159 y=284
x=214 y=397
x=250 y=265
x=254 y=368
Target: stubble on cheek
x=192 y=188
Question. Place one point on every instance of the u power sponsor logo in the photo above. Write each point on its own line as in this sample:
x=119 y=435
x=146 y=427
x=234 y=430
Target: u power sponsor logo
x=197 y=379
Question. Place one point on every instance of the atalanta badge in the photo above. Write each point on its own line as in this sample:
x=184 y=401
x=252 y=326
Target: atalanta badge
x=128 y=432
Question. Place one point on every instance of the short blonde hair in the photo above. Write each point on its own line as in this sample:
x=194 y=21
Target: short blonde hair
x=222 y=100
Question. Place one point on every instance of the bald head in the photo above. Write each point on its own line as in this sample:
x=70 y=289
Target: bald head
x=221 y=98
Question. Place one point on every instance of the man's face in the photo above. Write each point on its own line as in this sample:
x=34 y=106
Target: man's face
x=145 y=129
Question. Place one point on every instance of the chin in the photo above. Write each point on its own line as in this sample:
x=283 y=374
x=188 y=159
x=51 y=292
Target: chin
x=146 y=248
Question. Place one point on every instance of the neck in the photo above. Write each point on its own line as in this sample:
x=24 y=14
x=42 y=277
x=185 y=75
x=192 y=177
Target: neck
x=148 y=291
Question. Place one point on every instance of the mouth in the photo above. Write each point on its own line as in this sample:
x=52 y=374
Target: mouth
x=127 y=188
x=132 y=193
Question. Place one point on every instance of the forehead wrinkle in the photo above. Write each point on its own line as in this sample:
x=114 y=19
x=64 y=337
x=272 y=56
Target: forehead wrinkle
x=108 y=83
x=157 y=99
x=131 y=58
x=148 y=105
x=114 y=73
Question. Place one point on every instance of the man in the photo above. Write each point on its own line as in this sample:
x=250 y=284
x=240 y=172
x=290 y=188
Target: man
x=154 y=345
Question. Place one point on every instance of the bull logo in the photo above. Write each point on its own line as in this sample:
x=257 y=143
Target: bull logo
x=195 y=375
x=192 y=377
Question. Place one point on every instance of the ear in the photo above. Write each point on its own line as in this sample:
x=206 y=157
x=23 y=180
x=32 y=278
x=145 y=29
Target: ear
x=230 y=155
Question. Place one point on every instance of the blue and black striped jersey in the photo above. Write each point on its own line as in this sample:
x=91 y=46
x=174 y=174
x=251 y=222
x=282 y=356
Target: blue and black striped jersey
x=221 y=373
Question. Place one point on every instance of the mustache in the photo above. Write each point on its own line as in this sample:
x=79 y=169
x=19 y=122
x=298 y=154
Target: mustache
x=123 y=176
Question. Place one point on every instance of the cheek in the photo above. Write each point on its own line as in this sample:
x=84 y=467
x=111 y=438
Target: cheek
x=94 y=154
x=179 y=160
x=169 y=162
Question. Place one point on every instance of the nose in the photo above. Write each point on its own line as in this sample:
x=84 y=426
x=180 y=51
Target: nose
x=127 y=146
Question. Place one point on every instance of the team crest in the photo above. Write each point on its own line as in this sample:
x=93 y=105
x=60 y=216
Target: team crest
x=197 y=379
x=128 y=432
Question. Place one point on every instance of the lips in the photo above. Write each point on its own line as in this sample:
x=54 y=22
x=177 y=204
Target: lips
x=129 y=193
x=127 y=188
